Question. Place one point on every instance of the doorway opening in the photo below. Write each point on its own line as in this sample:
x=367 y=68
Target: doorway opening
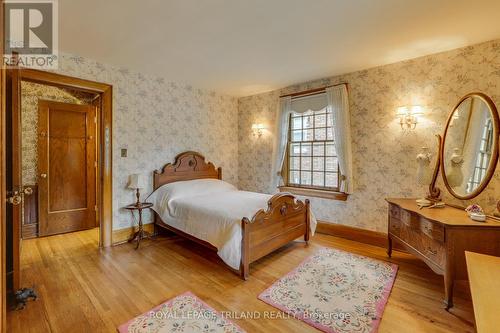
x=58 y=168
x=59 y=160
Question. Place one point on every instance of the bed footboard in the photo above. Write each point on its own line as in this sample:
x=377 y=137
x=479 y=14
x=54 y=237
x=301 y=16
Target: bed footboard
x=285 y=219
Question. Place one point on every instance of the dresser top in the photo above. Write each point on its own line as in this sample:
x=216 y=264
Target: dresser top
x=448 y=215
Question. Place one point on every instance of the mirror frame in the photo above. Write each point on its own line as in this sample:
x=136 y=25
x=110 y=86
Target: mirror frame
x=493 y=163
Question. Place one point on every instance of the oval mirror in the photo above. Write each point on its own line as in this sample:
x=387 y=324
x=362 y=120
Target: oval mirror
x=469 y=151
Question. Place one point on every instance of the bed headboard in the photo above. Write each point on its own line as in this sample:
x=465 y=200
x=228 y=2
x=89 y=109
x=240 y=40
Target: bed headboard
x=187 y=166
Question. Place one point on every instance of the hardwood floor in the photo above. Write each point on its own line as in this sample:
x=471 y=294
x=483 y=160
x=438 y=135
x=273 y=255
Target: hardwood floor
x=83 y=289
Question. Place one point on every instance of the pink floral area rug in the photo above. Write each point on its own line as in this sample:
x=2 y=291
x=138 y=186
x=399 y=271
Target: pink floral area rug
x=184 y=313
x=335 y=291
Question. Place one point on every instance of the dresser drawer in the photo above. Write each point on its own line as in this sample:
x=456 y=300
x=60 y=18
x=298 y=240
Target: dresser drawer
x=434 y=230
x=432 y=250
x=394 y=226
x=394 y=212
x=410 y=219
x=429 y=248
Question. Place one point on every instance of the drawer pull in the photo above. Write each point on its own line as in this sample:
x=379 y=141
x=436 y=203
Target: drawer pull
x=434 y=252
x=428 y=229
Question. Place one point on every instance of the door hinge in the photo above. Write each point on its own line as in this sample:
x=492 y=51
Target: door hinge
x=95 y=119
x=95 y=208
x=95 y=164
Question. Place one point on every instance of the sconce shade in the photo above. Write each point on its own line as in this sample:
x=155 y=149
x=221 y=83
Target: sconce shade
x=257 y=129
x=402 y=111
x=417 y=110
x=136 y=181
x=257 y=126
x=408 y=116
x=413 y=110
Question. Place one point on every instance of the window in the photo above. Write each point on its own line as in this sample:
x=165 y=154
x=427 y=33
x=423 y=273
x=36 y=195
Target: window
x=483 y=157
x=312 y=159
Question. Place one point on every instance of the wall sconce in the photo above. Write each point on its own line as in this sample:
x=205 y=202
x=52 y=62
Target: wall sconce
x=258 y=130
x=408 y=116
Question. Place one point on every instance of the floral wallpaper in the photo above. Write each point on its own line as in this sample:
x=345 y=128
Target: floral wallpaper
x=156 y=119
x=30 y=94
x=384 y=155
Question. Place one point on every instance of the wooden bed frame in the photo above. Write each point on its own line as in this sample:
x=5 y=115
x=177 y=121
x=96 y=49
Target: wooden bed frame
x=285 y=219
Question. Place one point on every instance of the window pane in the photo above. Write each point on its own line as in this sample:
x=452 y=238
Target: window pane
x=320 y=134
x=295 y=149
x=312 y=153
x=329 y=133
x=318 y=179
x=305 y=178
x=296 y=135
x=306 y=149
x=308 y=121
x=486 y=161
x=295 y=163
x=330 y=150
x=308 y=135
x=320 y=120
x=318 y=163
x=476 y=177
x=297 y=123
x=306 y=163
x=319 y=149
x=331 y=164
x=331 y=179
x=294 y=177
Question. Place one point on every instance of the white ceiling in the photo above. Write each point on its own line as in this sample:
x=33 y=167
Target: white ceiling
x=244 y=47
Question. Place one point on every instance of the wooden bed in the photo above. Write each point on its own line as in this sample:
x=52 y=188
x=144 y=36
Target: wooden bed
x=285 y=219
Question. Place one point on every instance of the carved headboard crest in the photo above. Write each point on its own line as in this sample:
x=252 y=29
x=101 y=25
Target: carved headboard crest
x=282 y=204
x=187 y=166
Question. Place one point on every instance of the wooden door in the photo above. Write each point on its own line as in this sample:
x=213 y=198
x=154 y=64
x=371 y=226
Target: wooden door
x=66 y=167
x=13 y=176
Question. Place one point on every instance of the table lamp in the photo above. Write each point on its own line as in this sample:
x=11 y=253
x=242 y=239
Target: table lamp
x=136 y=182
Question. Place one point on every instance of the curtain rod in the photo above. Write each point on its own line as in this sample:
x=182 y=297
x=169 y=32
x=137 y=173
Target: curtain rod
x=312 y=91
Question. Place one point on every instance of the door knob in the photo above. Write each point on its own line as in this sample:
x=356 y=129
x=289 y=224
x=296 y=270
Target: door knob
x=15 y=199
x=28 y=191
x=43 y=175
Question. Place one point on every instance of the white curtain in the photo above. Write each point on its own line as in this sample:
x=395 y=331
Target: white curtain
x=338 y=103
x=280 y=140
x=472 y=144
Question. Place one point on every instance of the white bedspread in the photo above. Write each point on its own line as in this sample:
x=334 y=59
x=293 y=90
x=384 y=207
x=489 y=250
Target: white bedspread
x=211 y=210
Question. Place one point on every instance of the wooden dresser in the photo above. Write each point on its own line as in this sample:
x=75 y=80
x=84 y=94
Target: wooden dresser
x=440 y=237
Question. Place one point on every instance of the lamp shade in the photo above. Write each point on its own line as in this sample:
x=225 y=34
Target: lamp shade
x=136 y=180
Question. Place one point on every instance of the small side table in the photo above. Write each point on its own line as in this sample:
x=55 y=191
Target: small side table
x=141 y=233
